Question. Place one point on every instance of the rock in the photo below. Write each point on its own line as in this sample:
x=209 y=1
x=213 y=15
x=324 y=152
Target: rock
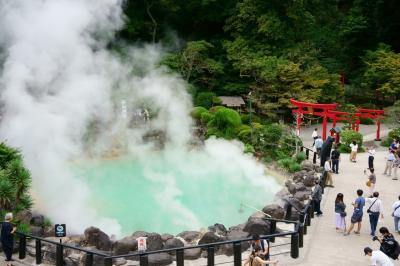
x=119 y=262
x=97 y=260
x=192 y=254
x=300 y=186
x=302 y=195
x=160 y=259
x=95 y=237
x=173 y=243
x=291 y=188
x=165 y=237
x=309 y=181
x=275 y=211
x=77 y=240
x=299 y=176
x=319 y=169
x=218 y=229
x=154 y=242
x=140 y=234
x=130 y=263
x=256 y=224
x=24 y=216
x=208 y=238
x=73 y=259
x=189 y=236
x=36 y=231
x=234 y=233
x=37 y=220
x=48 y=231
x=49 y=253
x=307 y=165
x=125 y=245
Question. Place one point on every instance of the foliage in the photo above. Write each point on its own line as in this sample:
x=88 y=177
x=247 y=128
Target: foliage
x=197 y=112
x=393 y=134
x=392 y=114
x=248 y=148
x=301 y=156
x=224 y=123
x=24 y=228
x=347 y=137
x=15 y=181
x=367 y=121
x=206 y=99
x=294 y=167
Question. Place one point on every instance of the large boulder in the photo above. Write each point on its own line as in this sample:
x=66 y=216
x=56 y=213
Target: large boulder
x=36 y=231
x=192 y=254
x=160 y=259
x=173 y=243
x=190 y=236
x=307 y=165
x=299 y=176
x=125 y=245
x=234 y=233
x=256 y=224
x=165 y=237
x=300 y=187
x=275 y=211
x=37 y=220
x=154 y=242
x=209 y=237
x=302 y=195
x=95 y=237
x=290 y=186
x=140 y=234
x=309 y=181
x=218 y=229
x=24 y=216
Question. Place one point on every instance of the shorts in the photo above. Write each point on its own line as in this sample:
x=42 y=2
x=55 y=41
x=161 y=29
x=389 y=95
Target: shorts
x=356 y=217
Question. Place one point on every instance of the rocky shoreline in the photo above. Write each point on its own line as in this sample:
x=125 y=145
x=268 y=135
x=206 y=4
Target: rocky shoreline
x=296 y=191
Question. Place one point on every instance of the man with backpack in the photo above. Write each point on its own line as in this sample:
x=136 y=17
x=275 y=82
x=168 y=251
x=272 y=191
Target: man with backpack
x=389 y=245
x=335 y=157
x=262 y=244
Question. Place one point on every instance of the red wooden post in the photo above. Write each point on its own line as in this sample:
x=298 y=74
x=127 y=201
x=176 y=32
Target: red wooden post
x=378 y=130
x=298 y=123
x=357 y=125
x=324 y=124
x=333 y=125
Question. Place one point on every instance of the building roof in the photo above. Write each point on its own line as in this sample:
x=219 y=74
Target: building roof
x=232 y=101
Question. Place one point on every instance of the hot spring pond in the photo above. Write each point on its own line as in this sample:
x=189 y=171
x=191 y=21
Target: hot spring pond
x=166 y=194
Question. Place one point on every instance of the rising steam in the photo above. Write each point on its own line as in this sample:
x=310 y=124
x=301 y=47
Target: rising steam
x=61 y=96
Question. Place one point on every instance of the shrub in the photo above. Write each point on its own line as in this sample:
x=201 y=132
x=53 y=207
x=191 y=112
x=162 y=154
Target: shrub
x=294 y=167
x=248 y=148
x=197 y=112
x=394 y=133
x=285 y=163
x=386 y=142
x=224 y=123
x=367 y=121
x=246 y=119
x=301 y=156
x=206 y=117
x=347 y=137
x=24 y=228
x=206 y=99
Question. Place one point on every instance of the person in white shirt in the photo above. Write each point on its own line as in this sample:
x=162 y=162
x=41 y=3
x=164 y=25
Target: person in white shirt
x=328 y=171
x=371 y=156
x=354 y=149
x=314 y=135
x=374 y=210
x=378 y=258
x=389 y=163
x=396 y=215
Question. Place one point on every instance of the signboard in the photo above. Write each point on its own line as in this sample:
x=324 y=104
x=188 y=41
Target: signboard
x=141 y=241
x=60 y=230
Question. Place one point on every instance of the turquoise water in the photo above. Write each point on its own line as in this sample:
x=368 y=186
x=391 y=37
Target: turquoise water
x=165 y=193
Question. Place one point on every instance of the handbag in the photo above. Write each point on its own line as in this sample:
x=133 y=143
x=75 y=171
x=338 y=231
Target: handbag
x=343 y=214
x=368 y=183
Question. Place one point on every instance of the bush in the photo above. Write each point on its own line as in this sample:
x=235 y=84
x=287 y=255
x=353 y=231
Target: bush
x=206 y=117
x=347 y=137
x=246 y=119
x=248 y=148
x=386 y=142
x=206 y=99
x=224 y=123
x=367 y=121
x=301 y=156
x=197 y=112
x=394 y=133
x=294 y=167
x=285 y=163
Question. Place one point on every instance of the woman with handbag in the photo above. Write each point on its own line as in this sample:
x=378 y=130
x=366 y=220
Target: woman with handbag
x=340 y=214
x=371 y=181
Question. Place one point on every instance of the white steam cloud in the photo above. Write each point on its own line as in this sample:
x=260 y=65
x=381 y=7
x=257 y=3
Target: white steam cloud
x=57 y=78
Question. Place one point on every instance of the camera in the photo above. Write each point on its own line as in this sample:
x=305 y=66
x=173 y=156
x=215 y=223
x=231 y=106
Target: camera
x=375 y=238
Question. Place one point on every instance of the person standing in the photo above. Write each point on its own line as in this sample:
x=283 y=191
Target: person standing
x=396 y=163
x=389 y=163
x=262 y=244
x=353 y=153
x=318 y=145
x=328 y=171
x=317 y=197
x=374 y=210
x=340 y=214
x=335 y=157
x=378 y=258
x=356 y=218
x=371 y=156
x=396 y=215
x=7 y=237
x=314 y=135
x=371 y=180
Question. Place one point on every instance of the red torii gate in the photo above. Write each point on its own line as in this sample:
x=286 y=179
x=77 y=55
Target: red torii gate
x=324 y=108
x=328 y=111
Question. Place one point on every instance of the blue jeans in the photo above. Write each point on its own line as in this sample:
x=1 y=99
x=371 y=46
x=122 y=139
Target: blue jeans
x=373 y=221
x=396 y=224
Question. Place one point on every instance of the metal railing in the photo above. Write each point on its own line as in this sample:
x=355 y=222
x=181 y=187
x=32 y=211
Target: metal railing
x=307 y=151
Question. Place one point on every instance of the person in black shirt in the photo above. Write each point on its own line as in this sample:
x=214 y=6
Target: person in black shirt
x=7 y=237
x=335 y=157
x=389 y=245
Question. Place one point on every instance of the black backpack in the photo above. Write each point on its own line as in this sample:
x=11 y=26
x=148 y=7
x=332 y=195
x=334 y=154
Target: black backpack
x=335 y=155
x=390 y=247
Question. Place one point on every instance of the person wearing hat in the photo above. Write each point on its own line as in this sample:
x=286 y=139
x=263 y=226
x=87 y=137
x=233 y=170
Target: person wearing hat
x=378 y=258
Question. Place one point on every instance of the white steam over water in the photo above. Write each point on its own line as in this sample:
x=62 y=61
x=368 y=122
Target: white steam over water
x=57 y=77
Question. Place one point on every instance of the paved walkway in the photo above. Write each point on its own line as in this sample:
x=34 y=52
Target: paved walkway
x=323 y=246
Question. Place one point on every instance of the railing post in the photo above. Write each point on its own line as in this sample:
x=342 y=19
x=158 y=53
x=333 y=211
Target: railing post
x=312 y=209
x=89 y=259
x=302 y=218
x=22 y=247
x=237 y=254
x=38 y=255
x=59 y=255
x=179 y=257
x=309 y=214
x=307 y=154
x=294 y=246
x=314 y=160
x=272 y=230
x=288 y=211
x=210 y=256
x=301 y=234
x=144 y=260
x=107 y=261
